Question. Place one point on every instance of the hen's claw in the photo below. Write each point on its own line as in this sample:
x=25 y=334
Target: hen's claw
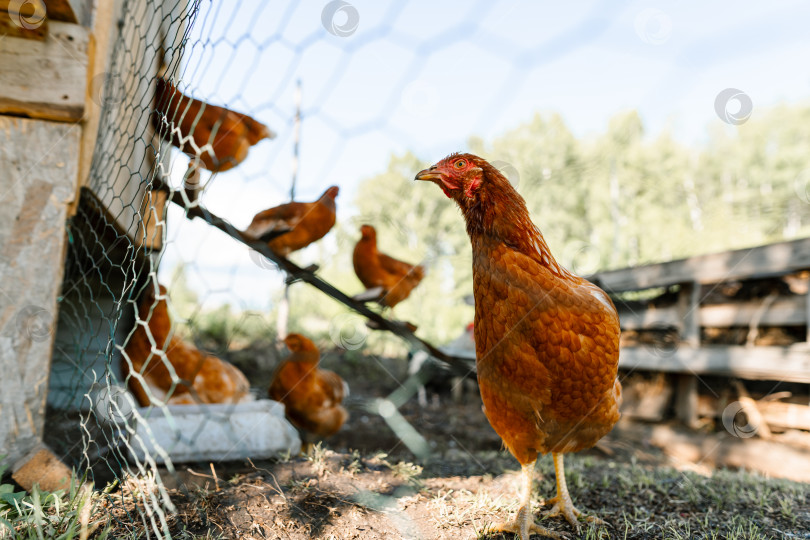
x=524 y=527
x=570 y=512
x=562 y=501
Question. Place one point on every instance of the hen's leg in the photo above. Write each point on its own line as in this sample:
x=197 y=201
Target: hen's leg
x=562 y=502
x=523 y=524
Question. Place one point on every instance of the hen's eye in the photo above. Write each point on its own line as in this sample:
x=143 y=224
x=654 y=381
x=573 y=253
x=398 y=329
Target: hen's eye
x=460 y=164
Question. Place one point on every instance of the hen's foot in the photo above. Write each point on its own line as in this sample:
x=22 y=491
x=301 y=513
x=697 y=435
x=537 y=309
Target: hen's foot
x=523 y=526
x=570 y=512
x=562 y=501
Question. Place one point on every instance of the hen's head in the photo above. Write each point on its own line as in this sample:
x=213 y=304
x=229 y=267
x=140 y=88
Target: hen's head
x=464 y=177
x=368 y=232
x=299 y=343
x=486 y=198
x=332 y=192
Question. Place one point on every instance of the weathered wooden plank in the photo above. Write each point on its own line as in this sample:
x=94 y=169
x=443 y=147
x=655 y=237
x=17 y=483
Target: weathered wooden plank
x=758 y=363
x=785 y=415
x=45 y=79
x=783 y=312
x=98 y=57
x=36 y=184
x=773 y=259
x=71 y=11
x=640 y=319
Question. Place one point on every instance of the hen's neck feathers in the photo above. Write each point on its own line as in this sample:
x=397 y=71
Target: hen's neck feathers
x=499 y=214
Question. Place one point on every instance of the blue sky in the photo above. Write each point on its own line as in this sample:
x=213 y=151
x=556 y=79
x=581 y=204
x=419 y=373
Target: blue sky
x=426 y=75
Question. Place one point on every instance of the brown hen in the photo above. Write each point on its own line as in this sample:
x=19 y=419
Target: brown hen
x=396 y=279
x=191 y=124
x=547 y=341
x=311 y=396
x=306 y=222
x=200 y=377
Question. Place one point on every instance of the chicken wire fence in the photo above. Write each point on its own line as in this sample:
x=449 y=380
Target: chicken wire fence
x=127 y=237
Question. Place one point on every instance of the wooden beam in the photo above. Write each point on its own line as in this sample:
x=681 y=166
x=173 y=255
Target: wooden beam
x=686 y=399
x=785 y=415
x=37 y=182
x=784 y=312
x=72 y=11
x=461 y=365
x=762 y=261
x=653 y=317
x=45 y=79
x=788 y=311
x=757 y=363
x=689 y=311
x=98 y=55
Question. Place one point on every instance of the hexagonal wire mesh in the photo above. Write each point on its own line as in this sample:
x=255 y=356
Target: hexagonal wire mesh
x=116 y=325
x=123 y=358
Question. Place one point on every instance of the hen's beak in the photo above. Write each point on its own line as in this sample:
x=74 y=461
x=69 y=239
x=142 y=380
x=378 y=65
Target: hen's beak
x=429 y=174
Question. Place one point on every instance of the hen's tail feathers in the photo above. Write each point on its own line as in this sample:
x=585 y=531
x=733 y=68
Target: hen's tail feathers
x=258 y=131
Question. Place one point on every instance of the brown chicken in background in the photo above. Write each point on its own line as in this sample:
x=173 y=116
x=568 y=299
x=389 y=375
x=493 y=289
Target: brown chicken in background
x=203 y=378
x=311 y=396
x=306 y=222
x=394 y=279
x=190 y=124
x=547 y=341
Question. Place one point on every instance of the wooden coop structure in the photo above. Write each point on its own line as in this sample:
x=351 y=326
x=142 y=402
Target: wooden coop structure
x=86 y=218
x=742 y=315
x=56 y=76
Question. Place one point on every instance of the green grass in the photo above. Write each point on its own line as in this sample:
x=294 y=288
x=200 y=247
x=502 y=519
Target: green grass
x=61 y=515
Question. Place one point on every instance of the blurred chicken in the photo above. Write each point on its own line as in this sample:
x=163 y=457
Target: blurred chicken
x=312 y=396
x=191 y=124
x=392 y=278
x=306 y=222
x=546 y=341
x=202 y=378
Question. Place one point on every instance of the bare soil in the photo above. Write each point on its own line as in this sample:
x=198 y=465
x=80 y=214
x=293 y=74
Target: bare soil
x=363 y=483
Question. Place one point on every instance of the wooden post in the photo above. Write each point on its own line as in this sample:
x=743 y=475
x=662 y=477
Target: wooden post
x=37 y=182
x=689 y=309
x=686 y=399
x=283 y=312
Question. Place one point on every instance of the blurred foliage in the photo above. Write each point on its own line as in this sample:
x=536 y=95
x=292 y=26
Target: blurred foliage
x=619 y=199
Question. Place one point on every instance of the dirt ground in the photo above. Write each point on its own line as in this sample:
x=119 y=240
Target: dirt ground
x=646 y=481
x=333 y=495
x=363 y=483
